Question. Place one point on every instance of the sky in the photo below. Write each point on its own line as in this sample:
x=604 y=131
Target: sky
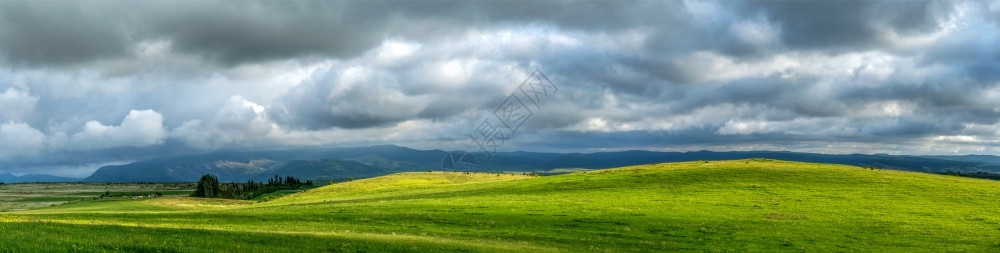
x=90 y=83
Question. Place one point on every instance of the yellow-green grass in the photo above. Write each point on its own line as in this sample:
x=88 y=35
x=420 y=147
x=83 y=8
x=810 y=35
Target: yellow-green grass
x=755 y=205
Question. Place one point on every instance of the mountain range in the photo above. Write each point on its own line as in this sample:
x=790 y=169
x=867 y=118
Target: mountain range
x=360 y=162
x=32 y=178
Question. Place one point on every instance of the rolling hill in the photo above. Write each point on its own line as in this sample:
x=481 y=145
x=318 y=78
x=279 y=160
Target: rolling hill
x=743 y=205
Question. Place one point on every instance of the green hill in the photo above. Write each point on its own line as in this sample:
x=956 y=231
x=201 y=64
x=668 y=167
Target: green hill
x=744 y=205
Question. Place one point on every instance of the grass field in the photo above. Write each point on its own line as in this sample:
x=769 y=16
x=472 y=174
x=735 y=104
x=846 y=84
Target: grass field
x=37 y=195
x=743 y=205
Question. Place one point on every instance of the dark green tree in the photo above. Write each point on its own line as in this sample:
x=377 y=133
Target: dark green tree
x=208 y=187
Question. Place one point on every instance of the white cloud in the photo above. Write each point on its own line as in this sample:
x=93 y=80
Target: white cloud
x=20 y=139
x=243 y=116
x=394 y=52
x=15 y=105
x=707 y=66
x=736 y=127
x=235 y=121
x=140 y=128
x=194 y=134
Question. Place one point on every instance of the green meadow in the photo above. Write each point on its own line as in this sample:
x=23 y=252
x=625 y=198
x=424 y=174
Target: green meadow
x=742 y=205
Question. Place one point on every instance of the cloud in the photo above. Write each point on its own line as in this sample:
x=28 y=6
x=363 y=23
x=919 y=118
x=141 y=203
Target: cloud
x=16 y=105
x=355 y=97
x=238 y=32
x=899 y=77
x=845 y=26
x=140 y=128
x=237 y=120
x=234 y=33
x=193 y=133
x=80 y=33
x=368 y=92
x=229 y=32
x=19 y=139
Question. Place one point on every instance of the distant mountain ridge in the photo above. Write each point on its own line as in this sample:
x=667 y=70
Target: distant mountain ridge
x=361 y=162
x=32 y=178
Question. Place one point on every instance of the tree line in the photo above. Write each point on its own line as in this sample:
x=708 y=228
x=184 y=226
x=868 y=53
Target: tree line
x=209 y=187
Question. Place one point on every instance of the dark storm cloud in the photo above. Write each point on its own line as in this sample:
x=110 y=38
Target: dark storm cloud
x=847 y=25
x=59 y=33
x=646 y=74
x=229 y=32
x=239 y=32
x=978 y=61
x=823 y=26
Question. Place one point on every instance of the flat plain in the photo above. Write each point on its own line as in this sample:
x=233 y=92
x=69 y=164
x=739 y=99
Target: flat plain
x=14 y=197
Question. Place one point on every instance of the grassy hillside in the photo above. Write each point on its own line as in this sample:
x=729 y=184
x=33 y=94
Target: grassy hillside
x=742 y=204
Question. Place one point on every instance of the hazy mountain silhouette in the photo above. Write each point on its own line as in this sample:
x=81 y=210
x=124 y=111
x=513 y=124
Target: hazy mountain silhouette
x=358 y=162
x=31 y=178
